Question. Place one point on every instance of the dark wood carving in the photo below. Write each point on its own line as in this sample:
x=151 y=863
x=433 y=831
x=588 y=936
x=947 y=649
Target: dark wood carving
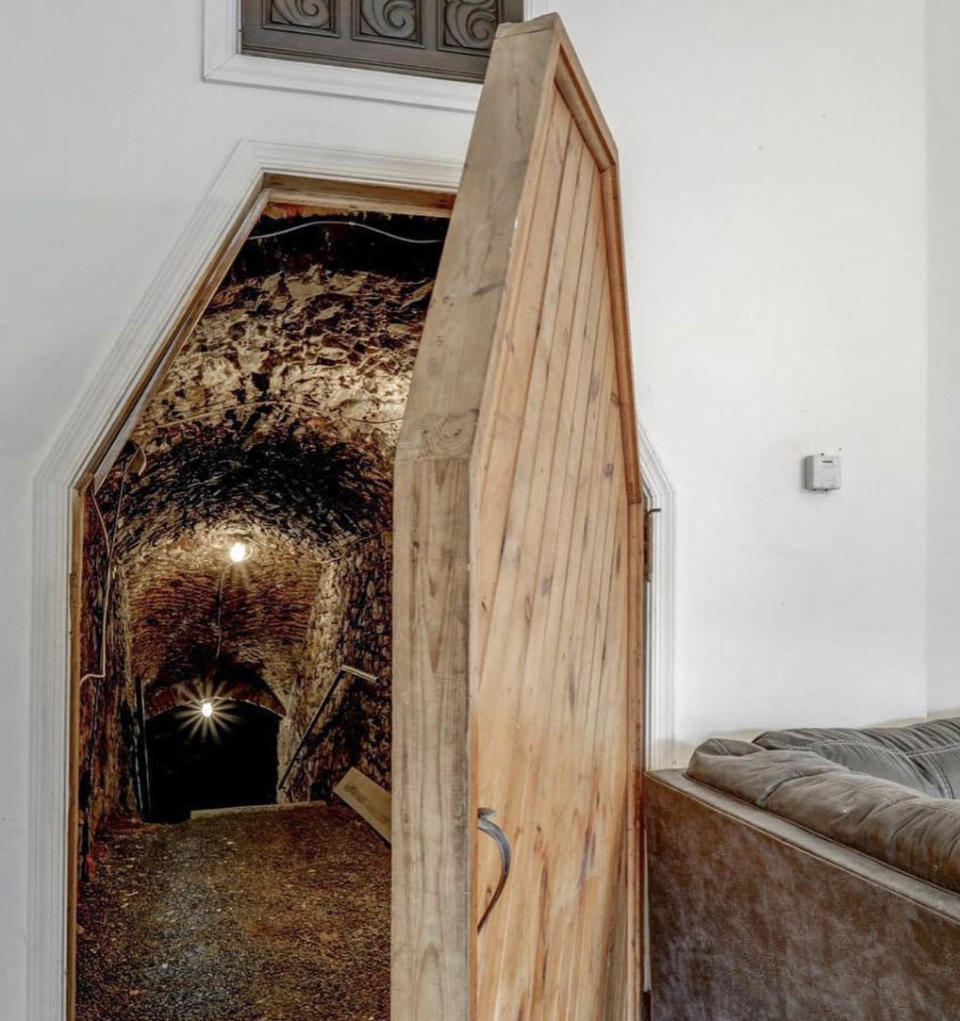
x=469 y=24
x=438 y=38
x=312 y=15
x=396 y=20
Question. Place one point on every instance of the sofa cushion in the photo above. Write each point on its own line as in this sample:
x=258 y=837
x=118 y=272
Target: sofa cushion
x=924 y=756
x=743 y=770
x=912 y=832
x=892 y=821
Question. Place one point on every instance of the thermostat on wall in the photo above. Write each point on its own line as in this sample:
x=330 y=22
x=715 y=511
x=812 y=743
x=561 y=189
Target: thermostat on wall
x=821 y=472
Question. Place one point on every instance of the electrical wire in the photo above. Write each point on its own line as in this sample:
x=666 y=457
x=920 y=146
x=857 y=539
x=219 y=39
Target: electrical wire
x=347 y=223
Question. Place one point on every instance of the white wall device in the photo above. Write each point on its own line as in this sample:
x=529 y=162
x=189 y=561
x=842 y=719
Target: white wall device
x=821 y=472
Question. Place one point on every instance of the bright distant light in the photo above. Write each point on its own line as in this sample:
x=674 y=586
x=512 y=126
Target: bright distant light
x=206 y=708
x=239 y=552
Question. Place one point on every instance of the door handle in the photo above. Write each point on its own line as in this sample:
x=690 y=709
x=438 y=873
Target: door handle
x=486 y=825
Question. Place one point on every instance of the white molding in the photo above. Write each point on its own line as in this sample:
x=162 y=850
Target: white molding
x=223 y=62
x=660 y=736
x=96 y=409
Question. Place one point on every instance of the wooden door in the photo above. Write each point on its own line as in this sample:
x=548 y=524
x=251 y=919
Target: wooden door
x=517 y=586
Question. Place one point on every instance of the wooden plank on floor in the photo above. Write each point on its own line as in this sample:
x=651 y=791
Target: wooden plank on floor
x=368 y=799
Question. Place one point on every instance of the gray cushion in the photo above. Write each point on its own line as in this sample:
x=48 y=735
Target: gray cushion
x=751 y=774
x=898 y=806
x=924 y=756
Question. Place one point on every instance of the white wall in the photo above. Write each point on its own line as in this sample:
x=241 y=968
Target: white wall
x=943 y=129
x=773 y=163
x=773 y=155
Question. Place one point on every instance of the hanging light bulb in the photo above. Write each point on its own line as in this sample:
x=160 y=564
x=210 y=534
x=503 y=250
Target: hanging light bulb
x=239 y=552
x=206 y=708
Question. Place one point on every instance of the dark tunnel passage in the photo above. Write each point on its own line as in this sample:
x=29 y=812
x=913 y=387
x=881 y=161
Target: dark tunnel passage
x=236 y=556
x=273 y=430
x=216 y=753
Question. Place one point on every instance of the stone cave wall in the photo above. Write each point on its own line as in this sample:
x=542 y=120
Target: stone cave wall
x=366 y=641
x=318 y=666
x=351 y=625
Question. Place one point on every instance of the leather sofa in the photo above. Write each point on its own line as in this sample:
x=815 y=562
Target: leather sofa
x=810 y=874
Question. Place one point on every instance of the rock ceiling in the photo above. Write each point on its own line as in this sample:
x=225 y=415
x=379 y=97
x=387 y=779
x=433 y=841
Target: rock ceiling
x=276 y=424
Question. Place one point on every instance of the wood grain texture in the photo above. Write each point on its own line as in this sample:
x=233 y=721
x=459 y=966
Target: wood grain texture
x=434 y=811
x=343 y=196
x=518 y=590
x=367 y=799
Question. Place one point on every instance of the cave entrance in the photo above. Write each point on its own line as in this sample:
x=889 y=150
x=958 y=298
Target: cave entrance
x=221 y=760
x=233 y=645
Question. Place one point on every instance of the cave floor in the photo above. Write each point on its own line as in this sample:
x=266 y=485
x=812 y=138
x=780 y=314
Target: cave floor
x=251 y=915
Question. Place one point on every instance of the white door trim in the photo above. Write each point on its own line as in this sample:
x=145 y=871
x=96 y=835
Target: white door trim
x=659 y=639
x=223 y=62
x=96 y=409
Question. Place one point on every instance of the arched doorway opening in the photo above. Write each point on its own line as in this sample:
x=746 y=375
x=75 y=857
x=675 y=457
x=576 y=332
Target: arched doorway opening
x=212 y=753
x=234 y=625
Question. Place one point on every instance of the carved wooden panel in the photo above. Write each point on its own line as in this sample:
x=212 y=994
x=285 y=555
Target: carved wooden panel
x=439 y=38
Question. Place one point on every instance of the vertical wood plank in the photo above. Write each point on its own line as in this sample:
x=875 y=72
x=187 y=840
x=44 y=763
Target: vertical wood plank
x=515 y=372
x=431 y=959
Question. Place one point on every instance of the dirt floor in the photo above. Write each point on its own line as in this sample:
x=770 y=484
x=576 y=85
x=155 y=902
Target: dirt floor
x=250 y=915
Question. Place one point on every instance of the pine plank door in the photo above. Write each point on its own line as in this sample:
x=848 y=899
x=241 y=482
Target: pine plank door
x=518 y=577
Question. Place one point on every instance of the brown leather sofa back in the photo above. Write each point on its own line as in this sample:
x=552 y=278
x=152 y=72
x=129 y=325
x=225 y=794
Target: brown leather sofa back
x=753 y=918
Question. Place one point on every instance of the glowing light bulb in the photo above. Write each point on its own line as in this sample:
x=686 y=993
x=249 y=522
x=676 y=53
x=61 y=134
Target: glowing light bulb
x=239 y=552
x=206 y=708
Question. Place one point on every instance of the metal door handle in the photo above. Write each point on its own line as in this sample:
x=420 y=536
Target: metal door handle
x=486 y=825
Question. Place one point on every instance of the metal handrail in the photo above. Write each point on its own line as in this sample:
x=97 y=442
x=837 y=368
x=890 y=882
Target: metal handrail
x=328 y=694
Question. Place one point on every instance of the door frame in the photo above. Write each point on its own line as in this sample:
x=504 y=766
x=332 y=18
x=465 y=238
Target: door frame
x=255 y=172
x=54 y=526
x=659 y=628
